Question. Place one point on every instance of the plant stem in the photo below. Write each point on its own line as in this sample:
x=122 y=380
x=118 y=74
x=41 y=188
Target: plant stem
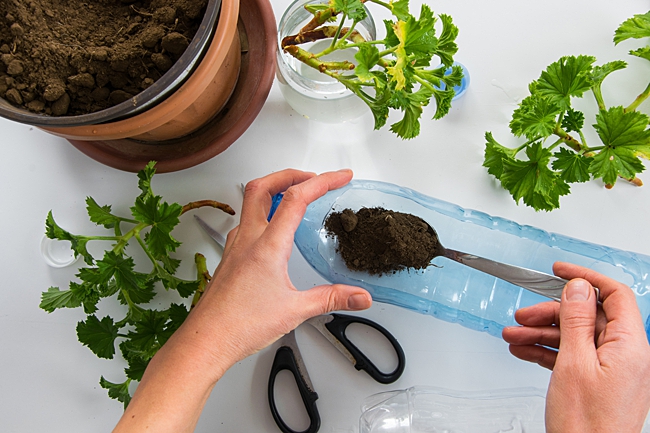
x=381 y=3
x=202 y=275
x=210 y=203
x=320 y=17
x=598 y=94
x=311 y=60
x=554 y=145
x=423 y=82
x=337 y=34
x=388 y=51
x=146 y=250
x=124 y=239
x=523 y=146
x=639 y=100
x=570 y=141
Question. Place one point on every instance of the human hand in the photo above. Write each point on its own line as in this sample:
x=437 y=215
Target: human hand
x=601 y=372
x=251 y=296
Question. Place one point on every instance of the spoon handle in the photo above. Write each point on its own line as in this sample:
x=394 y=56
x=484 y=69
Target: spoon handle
x=535 y=281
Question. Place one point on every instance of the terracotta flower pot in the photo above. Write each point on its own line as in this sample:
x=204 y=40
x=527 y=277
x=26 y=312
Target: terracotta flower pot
x=204 y=115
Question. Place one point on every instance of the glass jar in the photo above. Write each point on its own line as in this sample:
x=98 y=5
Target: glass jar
x=308 y=91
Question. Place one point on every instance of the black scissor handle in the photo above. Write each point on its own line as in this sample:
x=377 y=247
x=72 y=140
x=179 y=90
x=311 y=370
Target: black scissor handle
x=337 y=327
x=286 y=360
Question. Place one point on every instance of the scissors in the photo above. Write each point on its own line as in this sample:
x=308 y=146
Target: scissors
x=333 y=327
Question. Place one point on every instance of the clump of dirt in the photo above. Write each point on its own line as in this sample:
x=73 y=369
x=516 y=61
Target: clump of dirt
x=381 y=241
x=73 y=57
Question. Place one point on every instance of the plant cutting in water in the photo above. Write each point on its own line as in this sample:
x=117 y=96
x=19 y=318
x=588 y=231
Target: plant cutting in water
x=556 y=148
x=392 y=73
x=142 y=331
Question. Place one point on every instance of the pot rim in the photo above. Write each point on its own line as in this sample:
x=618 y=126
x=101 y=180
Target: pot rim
x=154 y=94
x=177 y=102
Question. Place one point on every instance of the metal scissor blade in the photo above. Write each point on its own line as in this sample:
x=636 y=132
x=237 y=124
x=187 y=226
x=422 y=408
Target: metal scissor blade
x=215 y=235
x=319 y=322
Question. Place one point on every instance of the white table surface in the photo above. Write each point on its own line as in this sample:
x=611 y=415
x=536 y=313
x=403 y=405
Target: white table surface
x=50 y=381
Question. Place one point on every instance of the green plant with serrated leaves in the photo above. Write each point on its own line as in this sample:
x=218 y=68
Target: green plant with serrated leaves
x=141 y=331
x=557 y=153
x=398 y=72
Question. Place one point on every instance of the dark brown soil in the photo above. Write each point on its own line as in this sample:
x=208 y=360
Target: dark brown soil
x=72 y=57
x=381 y=241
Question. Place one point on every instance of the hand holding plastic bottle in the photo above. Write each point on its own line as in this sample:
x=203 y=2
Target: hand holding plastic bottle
x=601 y=370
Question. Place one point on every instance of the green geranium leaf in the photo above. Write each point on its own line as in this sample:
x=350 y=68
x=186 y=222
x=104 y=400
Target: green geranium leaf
x=532 y=181
x=98 y=335
x=447 y=47
x=101 y=215
x=573 y=120
x=117 y=391
x=572 y=166
x=569 y=76
x=144 y=180
x=411 y=104
x=367 y=57
x=55 y=298
x=610 y=163
x=643 y=52
x=636 y=27
x=352 y=8
x=162 y=217
x=78 y=244
x=495 y=153
x=400 y=9
x=535 y=118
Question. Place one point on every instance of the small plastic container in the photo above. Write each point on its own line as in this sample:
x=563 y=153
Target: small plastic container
x=57 y=254
x=431 y=409
x=449 y=290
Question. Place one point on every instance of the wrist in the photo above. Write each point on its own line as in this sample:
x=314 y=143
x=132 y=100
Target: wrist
x=204 y=345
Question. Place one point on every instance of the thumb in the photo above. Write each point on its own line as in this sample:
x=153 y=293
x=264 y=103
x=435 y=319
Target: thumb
x=578 y=318
x=326 y=298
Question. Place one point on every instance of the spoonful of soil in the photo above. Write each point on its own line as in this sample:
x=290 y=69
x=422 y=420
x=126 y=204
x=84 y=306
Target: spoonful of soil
x=381 y=241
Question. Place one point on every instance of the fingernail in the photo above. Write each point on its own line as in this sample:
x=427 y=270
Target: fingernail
x=344 y=170
x=358 y=302
x=577 y=290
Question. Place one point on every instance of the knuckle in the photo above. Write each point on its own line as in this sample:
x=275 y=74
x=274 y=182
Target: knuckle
x=331 y=299
x=294 y=194
x=253 y=186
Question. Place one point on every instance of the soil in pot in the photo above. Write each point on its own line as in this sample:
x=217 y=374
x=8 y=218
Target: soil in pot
x=66 y=57
x=380 y=241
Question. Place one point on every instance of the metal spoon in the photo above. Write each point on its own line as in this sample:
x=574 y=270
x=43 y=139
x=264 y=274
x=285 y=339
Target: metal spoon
x=535 y=281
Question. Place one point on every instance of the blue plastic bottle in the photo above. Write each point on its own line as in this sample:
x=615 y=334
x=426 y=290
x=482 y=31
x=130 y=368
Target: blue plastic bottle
x=449 y=290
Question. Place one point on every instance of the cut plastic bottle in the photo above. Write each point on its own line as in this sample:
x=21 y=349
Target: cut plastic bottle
x=448 y=290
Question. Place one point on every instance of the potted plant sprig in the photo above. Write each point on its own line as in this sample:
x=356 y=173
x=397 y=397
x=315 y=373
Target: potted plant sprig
x=411 y=65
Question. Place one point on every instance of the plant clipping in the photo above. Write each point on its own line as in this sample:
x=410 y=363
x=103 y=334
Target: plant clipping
x=142 y=331
x=556 y=149
x=393 y=73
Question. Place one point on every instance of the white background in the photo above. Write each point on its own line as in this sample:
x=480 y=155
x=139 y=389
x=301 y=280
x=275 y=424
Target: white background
x=49 y=382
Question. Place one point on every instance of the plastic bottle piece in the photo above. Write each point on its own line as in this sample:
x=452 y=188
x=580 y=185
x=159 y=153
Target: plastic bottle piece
x=57 y=254
x=449 y=290
x=432 y=409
